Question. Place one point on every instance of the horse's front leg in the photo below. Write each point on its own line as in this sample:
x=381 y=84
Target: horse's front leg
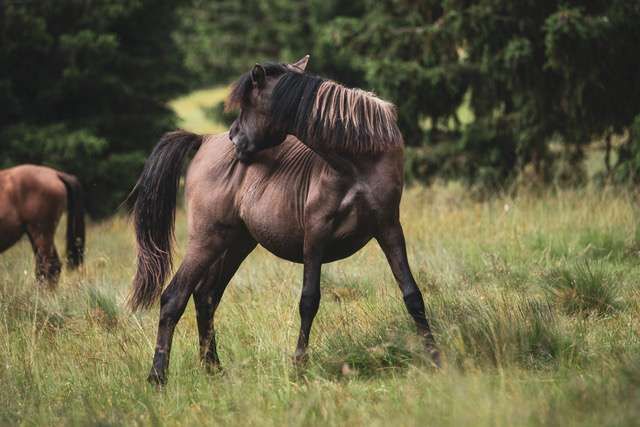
x=391 y=240
x=310 y=297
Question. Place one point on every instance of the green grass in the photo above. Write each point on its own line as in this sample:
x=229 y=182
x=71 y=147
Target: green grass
x=531 y=334
x=534 y=301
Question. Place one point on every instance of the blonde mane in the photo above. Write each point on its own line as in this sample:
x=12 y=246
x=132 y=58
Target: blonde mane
x=368 y=122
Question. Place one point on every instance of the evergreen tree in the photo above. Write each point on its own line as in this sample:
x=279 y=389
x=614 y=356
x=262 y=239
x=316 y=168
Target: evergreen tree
x=84 y=86
x=407 y=58
x=546 y=70
x=537 y=73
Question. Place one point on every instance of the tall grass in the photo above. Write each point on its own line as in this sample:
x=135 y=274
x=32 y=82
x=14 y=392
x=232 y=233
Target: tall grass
x=534 y=302
x=584 y=288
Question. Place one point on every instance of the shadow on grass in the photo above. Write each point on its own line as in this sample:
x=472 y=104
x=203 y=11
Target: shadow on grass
x=501 y=331
x=472 y=331
x=347 y=289
x=364 y=355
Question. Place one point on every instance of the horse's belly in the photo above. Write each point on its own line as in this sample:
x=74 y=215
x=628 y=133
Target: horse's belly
x=289 y=245
x=341 y=248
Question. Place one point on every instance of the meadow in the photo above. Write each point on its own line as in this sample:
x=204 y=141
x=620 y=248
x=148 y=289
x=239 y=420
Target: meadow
x=534 y=301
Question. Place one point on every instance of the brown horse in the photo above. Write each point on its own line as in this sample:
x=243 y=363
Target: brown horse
x=32 y=199
x=310 y=202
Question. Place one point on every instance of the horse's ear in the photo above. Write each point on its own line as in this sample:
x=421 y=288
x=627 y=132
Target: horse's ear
x=258 y=76
x=300 y=65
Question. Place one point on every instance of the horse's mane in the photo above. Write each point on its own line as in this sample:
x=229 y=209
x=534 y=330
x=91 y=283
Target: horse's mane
x=325 y=113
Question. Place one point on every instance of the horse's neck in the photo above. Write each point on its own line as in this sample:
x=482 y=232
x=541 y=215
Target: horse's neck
x=343 y=165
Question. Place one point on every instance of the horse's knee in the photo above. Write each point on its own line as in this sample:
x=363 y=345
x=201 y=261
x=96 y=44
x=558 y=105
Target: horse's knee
x=204 y=304
x=172 y=305
x=169 y=315
x=309 y=303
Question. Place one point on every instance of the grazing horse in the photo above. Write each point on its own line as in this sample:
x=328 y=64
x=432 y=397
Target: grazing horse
x=310 y=202
x=32 y=199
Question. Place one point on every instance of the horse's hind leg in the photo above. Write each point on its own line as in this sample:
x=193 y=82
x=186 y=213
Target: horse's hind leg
x=209 y=293
x=391 y=240
x=48 y=263
x=198 y=258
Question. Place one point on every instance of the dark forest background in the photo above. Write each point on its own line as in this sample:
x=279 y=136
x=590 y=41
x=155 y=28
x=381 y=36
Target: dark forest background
x=494 y=93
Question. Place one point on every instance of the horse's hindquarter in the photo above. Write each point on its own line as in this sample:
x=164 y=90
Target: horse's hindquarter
x=213 y=180
x=10 y=225
x=43 y=195
x=32 y=197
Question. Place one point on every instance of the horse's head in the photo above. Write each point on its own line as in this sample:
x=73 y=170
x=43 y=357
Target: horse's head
x=254 y=129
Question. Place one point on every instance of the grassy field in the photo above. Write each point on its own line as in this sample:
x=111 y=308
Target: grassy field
x=535 y=303
x=191 y=109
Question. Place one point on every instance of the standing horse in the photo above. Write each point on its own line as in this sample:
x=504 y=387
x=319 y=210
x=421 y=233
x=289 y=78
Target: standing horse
x=32 y=199
x=310 y=202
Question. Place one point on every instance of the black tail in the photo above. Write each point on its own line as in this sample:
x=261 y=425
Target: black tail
x=75 y=220
x=153 y=206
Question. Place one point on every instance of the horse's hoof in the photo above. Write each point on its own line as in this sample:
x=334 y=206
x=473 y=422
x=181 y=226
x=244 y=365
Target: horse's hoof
x=435 y=356
x=213 y=368
x=300 y=358
x=156 y=379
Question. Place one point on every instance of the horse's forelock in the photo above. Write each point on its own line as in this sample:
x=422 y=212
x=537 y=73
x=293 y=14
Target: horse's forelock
x=241 y=89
